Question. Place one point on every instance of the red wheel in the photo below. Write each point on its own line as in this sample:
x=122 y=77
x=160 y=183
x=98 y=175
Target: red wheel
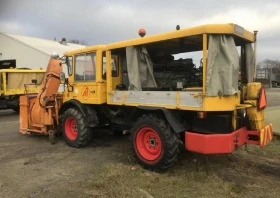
x=148 y=143
x=75 y=129
x=154 y=143
x=71 y=128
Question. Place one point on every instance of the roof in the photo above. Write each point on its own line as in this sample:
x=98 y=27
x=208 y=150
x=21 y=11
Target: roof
x=43 y=45
x=86 y=49
x=188 y=33
x=229 y=28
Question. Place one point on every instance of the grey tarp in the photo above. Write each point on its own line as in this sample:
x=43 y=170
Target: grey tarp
x=139 y=68
x=249 y=62
x=222 y=66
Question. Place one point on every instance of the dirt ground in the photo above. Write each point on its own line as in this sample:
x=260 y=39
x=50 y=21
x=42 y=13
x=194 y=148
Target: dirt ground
x=31 y=167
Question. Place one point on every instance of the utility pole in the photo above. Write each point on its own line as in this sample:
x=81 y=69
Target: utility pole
x=270 y=75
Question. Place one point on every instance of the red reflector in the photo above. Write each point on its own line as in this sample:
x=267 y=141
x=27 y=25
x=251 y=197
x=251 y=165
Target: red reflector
x=262 y=99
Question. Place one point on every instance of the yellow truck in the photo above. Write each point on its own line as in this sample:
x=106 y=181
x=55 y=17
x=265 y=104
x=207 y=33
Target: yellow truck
x=150 y=87
x=16 y=82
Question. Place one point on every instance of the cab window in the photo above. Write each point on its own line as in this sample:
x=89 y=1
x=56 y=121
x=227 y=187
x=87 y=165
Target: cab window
x=85 y=67
x=115 y=62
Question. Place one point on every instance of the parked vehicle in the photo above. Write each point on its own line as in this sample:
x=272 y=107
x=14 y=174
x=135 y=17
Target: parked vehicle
x=138 y=85
x=16 y=82
x=275 y=83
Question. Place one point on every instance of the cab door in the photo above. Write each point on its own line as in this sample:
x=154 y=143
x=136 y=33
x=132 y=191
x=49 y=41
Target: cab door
x=112 y=77
x=85 y=85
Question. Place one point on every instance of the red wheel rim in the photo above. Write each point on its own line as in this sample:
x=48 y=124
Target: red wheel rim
x=71 y=128
x=148 y=144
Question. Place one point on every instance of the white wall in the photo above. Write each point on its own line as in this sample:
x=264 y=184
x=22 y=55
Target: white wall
x=25 y=56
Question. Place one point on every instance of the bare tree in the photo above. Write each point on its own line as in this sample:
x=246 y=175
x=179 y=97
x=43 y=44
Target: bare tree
x=273 y=65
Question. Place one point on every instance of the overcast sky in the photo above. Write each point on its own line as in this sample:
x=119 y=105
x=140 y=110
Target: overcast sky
x=105 y=21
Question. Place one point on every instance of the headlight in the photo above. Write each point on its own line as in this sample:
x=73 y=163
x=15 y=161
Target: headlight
x=54 y=55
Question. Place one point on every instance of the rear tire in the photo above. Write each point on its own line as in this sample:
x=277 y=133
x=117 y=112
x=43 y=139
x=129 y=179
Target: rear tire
x=16 y=109
x=153 y=142
x=75 y=131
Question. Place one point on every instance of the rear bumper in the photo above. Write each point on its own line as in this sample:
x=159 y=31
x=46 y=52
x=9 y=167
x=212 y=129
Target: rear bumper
x=226 y=143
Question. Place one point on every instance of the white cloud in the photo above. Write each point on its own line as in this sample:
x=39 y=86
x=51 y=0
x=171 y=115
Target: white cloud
x=8 y=26
x=248 y=18
x=101 y=22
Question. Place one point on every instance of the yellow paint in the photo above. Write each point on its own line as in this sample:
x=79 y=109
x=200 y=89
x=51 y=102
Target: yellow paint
x=204 y=62
x=19 y=91
x=85 y=50
x=199 y=30
x=225 y=103
x=118 y=79
x=256 y=118
x=266 y=135
x=234 y=119
x=100 y=91
x=109 y=73
x=177 y=99
x=253 y=90
x=242 y=106
x=193 y=89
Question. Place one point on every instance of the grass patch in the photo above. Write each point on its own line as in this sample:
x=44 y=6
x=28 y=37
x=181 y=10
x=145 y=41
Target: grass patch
x=251 y=172
x=121 y=180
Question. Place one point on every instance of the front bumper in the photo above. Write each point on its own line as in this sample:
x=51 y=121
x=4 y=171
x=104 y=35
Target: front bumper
x=227 y=143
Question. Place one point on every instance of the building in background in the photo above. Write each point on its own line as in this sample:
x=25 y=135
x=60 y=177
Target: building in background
x=30 y=52
x=269 y=77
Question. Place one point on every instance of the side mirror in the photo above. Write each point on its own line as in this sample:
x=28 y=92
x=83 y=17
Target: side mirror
x=68 y=61
x=55 y=55
x=62 y=77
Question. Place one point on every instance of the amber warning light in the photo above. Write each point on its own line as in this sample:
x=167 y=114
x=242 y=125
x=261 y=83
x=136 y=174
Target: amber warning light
x=201 y=115
x=142 y=32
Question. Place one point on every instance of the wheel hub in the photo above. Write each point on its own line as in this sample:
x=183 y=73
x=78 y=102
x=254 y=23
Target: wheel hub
x=71 y=128
x=148 y=143
x=153 y=142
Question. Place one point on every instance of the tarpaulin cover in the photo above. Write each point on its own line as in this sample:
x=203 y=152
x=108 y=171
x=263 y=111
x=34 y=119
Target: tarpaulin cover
x=139 y=68
x=17 y=80
x=222 y=66
x=250 y=62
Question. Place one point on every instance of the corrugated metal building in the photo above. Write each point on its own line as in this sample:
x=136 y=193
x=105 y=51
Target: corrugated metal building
x=30 y=52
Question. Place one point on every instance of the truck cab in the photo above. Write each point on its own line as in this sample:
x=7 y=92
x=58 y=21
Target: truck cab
x=87 y=78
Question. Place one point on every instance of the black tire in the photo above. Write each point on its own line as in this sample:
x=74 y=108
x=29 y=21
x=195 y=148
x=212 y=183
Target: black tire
x=75 y=131
x=16 y=109
x=14 y=104
x=158 y=135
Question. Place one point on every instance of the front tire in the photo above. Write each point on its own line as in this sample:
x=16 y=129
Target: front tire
x=75 y=131
x=154 y=143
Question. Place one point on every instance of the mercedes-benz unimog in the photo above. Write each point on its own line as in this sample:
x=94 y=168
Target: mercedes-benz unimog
x=151 y=87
